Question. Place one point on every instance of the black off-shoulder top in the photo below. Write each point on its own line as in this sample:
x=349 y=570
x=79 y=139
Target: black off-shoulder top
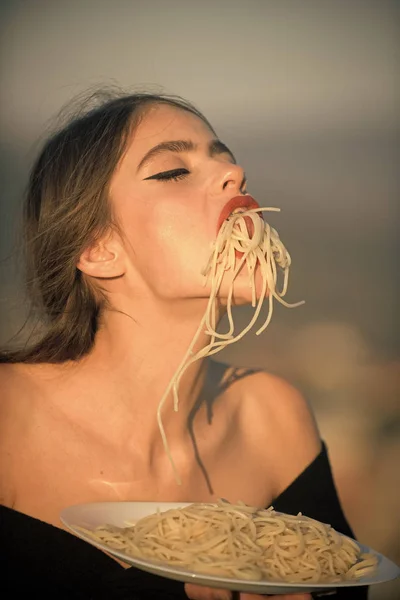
x=38 y=557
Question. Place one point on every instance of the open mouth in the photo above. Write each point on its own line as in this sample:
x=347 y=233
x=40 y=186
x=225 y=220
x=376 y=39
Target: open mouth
x=236 y=205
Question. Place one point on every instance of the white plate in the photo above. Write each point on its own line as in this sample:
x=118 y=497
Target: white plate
x=121 y=514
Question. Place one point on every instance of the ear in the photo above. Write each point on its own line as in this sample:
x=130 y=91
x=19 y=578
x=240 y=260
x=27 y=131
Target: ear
x=104 y=259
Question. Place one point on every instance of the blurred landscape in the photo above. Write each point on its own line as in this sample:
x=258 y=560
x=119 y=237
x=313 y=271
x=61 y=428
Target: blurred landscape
x=306 y=94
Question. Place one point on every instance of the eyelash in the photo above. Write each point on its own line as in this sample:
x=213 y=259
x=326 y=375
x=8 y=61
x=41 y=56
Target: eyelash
x=174 y=174
x=177 y=174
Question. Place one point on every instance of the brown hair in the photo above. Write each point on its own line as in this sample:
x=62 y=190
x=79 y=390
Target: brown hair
x=66 y=209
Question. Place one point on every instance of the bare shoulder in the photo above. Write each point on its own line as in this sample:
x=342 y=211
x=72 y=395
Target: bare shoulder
x=18 y=390
x=7 y=375
x=283 y=404
x=278 y=422
x=14 y=390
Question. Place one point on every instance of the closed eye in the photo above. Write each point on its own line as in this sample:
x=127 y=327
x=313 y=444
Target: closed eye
x=173 y=174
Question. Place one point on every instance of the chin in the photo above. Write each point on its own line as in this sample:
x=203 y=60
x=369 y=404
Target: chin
x=242 y=293
x=247 y=299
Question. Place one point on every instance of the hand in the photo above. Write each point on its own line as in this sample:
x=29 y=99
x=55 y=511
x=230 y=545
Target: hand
x=199 y=592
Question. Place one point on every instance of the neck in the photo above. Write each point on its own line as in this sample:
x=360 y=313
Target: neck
x=134 y=361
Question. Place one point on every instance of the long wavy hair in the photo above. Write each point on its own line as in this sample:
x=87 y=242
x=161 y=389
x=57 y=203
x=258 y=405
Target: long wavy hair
x=66 y=209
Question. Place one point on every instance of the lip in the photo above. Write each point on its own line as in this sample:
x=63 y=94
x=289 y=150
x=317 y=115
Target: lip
x=246 y=201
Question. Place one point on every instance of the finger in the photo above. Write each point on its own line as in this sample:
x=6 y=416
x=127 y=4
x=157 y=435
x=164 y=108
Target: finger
x=244 y=596
x=294 y=597
x=200 y=592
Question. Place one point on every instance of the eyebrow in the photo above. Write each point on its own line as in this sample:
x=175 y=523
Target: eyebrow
x=215 y=147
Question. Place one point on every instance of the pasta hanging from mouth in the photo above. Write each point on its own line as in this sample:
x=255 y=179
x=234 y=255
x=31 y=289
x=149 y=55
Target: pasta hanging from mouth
x=234 y=249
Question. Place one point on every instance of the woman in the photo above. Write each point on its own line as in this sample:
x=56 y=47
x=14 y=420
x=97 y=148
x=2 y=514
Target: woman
x=122 y=207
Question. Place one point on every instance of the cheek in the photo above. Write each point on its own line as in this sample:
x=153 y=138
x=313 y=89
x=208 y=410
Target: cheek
x=175 y=229
x=167 y=245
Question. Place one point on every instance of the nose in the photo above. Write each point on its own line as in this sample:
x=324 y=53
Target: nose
x=230 y=179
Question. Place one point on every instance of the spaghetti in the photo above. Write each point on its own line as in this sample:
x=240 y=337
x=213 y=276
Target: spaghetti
x=241 y=542
x=233 y=249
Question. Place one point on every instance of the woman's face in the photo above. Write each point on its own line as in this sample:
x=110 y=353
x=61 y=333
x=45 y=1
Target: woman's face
x=167 y=195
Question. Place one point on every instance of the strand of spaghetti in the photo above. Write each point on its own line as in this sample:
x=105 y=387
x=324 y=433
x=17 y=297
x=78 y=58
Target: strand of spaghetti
x=211 y=316
x=230 y=294
x=203 y=352
x=164 y=398
x=218 y=346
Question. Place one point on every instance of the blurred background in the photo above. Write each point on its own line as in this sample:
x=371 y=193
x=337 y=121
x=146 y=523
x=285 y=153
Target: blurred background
x=306 y=93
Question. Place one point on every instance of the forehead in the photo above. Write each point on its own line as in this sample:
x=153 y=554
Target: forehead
x=162 y=122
